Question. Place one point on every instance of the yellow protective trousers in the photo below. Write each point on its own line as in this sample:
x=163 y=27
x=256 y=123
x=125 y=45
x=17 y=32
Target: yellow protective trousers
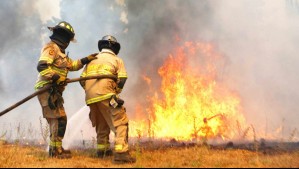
x=105 y=118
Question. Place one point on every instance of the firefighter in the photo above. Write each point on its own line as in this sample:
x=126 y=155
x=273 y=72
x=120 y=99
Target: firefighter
x=53 y=67
x=107 y=112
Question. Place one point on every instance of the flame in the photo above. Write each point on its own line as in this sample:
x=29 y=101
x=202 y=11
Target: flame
x=192 y=102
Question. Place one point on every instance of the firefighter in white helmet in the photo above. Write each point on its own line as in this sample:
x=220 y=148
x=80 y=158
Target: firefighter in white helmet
x=107 y=112
x=53 y=67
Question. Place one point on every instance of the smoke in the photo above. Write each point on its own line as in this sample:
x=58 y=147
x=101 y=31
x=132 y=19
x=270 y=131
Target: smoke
x=21 y=40
x=257 y=37
x=48 y=10
x=1 y=88
x=261 y=45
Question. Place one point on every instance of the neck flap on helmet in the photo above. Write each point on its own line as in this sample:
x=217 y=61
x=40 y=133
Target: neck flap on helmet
x=60 y=39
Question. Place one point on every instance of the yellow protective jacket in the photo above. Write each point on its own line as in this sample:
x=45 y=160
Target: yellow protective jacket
x=107 y=63
x=54 y=61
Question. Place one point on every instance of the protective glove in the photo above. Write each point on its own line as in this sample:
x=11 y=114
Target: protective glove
x=63 y=83
x=55 y=77
x=89 y=58
x=58 y=80
x=120 y=102
x=118 y=90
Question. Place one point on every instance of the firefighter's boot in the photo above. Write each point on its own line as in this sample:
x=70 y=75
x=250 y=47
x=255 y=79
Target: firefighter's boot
x=66 y=151
x=104 y=153
x=121 y=158
x=56 y=152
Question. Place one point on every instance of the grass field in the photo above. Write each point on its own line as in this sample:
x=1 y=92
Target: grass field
x=16 y=156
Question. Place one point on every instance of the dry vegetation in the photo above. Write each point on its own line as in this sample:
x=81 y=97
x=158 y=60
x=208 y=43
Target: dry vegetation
x=154 y=154
x=12 y=156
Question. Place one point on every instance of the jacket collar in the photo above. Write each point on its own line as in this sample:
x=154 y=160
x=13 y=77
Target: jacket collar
x=107 y=51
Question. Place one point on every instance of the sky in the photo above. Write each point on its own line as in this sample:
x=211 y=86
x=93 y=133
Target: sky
x=258 y=38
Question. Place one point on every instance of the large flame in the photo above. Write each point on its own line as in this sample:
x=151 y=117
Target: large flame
x=192 y=102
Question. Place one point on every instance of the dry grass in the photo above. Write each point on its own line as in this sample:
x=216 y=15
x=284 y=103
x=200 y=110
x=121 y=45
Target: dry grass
x=195 y=157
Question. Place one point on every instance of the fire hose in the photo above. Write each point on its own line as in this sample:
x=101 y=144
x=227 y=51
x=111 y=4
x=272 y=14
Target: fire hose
x=48 y=87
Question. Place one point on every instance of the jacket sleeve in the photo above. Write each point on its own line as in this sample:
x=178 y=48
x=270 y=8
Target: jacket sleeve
x=46 y=59
x=83 y=74
x=75 y=65
x=122 y=75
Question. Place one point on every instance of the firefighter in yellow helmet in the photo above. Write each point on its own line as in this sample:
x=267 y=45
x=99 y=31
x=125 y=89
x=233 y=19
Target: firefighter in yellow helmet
x=53 y=67
x=107 y=112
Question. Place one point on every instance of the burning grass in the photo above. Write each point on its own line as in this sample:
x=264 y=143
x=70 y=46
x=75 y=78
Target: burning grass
x=166 y=157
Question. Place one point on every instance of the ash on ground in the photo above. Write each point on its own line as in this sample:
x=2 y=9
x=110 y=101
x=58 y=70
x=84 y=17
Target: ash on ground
x=262 y=146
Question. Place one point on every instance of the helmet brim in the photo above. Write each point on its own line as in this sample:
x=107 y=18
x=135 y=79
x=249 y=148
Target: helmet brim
x=50 y=28
x=102 y=42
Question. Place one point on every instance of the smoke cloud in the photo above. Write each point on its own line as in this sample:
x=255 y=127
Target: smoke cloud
x=261 y=45
x=258 y=39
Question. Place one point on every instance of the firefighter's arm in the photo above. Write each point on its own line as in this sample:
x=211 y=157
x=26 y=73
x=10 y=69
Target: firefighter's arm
x=88 y=58
x=74 y=65
x=83 y=74
x=78 y=64
x=121 y=84
x=43 y=66
x=122 y=76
